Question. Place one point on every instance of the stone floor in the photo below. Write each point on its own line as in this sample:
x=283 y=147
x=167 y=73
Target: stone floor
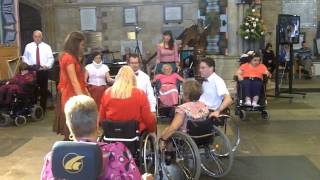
x=286 y=147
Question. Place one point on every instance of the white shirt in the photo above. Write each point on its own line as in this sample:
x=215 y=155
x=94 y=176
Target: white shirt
x=143 y=83
x=45 y=52
x=97 y=74
x=213 y=91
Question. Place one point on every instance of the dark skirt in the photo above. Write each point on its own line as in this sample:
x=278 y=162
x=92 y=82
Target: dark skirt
x=96 y=93
x=59 y=125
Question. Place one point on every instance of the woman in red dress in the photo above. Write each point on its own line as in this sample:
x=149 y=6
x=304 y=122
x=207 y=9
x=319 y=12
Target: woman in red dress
x=72 y=81
x=123 y=102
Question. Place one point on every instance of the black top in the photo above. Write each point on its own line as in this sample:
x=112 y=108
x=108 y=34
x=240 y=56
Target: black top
x=268 y=56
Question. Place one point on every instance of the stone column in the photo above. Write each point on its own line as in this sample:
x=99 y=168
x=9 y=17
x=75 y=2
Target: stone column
x=233 y=43
x=48 y=23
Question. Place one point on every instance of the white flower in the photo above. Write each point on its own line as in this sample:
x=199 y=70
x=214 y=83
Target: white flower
x=254 y=25
x=252 y=30
x=247 y=30
x=262 y=33
x=246 y=37
x=247 y=24
x=257 y=19
x=252 y=18
x=253 y=10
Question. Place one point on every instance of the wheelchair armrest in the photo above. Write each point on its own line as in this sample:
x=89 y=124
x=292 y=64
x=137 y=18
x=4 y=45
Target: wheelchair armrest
x=235 y=78
x=265 y=78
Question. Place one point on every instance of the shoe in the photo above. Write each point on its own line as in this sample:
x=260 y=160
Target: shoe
x=248 y=101
x=255 y=104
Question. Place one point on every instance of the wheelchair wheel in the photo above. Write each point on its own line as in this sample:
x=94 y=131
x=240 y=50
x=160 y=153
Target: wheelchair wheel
x=20 y=121
x=186 y=158
x=217 y=158
x=148 y=154
x=265 y=115
x=5 y=120
x=37 y=113
x=242 y=115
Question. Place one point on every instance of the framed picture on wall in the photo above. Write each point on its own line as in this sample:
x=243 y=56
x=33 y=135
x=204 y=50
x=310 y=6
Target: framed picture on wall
x=172 y=14
x=130 y=16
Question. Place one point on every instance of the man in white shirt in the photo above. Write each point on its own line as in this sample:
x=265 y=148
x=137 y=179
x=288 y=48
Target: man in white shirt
x=215 y=93
x=39 y=54
x=143 y=80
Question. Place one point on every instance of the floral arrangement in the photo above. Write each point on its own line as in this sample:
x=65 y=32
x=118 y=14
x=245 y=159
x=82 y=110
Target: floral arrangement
x=252 y=27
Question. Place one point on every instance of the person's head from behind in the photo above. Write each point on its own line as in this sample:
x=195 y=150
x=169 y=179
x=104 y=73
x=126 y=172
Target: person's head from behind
x=192 y=90
x=37 y=36
x=303 y=44
x=23 y=66
x=134 y=62
x=255 y=59
x=268 y=46
x=167 y=69
x=127 y=51
x=96 y=56
x=81 y=117
x=125 y=81
x=168 y=39
x=206 y=67
x=74 y=44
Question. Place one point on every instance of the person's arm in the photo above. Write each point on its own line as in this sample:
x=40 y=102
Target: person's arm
x=158 y=54
x=71 y=72
x=26 y=55
x=239 y=74
x=147 y=117
x=176 y=56
x=151 y=97
x=102 y=108
x=180 y=78
x=46 y=172
x=174 y=126
x=50 y=58
x=86 y=75
x=108 y=78
x=227 y=101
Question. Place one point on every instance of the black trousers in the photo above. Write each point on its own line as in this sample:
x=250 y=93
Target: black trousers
x=42 y=81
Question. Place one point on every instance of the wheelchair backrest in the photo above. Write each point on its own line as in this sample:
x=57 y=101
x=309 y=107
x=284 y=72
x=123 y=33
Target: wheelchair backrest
x=126 y=132
x=201 y=131
x=76 y=160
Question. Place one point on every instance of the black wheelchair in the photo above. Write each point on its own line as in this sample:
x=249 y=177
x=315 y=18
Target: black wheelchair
x=142 y=145
x=24 y=107
x=76 y=160
x=241 y=108
x=204 y=147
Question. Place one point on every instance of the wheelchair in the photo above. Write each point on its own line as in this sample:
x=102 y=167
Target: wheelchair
x=163 y=111
x=203 y=148
x=142 y=145
x=76 y=160
x=241 y=109
x=23 y=107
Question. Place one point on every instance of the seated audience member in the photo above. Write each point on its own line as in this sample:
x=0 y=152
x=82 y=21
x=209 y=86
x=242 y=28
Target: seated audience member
x=126 y=55
x=250 y=76
x=17 y=84
x=305 y=59
x=97 y=75
x=81 y=119
x=168 y=85
x=191 y=110
x=268 y=57
x=124 y=101
x=215 y=93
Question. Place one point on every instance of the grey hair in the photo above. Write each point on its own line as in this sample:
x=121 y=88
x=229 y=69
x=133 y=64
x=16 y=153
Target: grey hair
x=81 y=115
x=37 y=31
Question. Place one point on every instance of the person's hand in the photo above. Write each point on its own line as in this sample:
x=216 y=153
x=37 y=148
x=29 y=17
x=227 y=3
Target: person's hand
x=147 y=176
x=8 y=82
x=215 y=114
x=162 y=144
x=270 y=61
x=240 y=78
x=45 y=67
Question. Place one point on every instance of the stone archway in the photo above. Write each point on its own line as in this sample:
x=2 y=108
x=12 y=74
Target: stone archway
x=30 y=20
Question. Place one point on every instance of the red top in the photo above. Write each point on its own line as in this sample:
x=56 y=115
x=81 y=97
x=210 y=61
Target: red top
x=250 y=71
x=65 y=86
x=135 y=107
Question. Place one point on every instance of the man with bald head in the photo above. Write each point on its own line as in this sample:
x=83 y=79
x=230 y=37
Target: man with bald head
x=39 y=54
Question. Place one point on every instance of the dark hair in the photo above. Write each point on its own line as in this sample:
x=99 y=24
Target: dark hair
x=192 y=89
x=171 y=41
x=72 y=42
x=209 y=61
x=134 y=55
x=23 y=66
x=268 y=45
x=303 y=42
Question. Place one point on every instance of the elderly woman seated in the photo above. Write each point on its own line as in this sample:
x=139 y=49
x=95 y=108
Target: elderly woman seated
x=81 y=119
x=250 y=75
x=191 y=110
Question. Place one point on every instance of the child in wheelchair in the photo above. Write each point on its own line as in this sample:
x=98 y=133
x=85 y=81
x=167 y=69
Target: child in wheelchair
x=251 y=81
x=18 y=99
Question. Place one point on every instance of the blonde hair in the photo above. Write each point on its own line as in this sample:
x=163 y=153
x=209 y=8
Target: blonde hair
x=124 y=82
x=81 y=115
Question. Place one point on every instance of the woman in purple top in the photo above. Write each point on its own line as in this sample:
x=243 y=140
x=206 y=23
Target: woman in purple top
x=167 y=53
x=17 y=84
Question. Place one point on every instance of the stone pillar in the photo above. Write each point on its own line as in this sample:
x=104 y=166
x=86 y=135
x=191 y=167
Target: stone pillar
x=233 y=26
x=48 y=23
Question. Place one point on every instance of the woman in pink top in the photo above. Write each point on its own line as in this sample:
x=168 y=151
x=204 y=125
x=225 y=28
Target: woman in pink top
x=250 y=75
x=167 y=53
x=168 y=86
